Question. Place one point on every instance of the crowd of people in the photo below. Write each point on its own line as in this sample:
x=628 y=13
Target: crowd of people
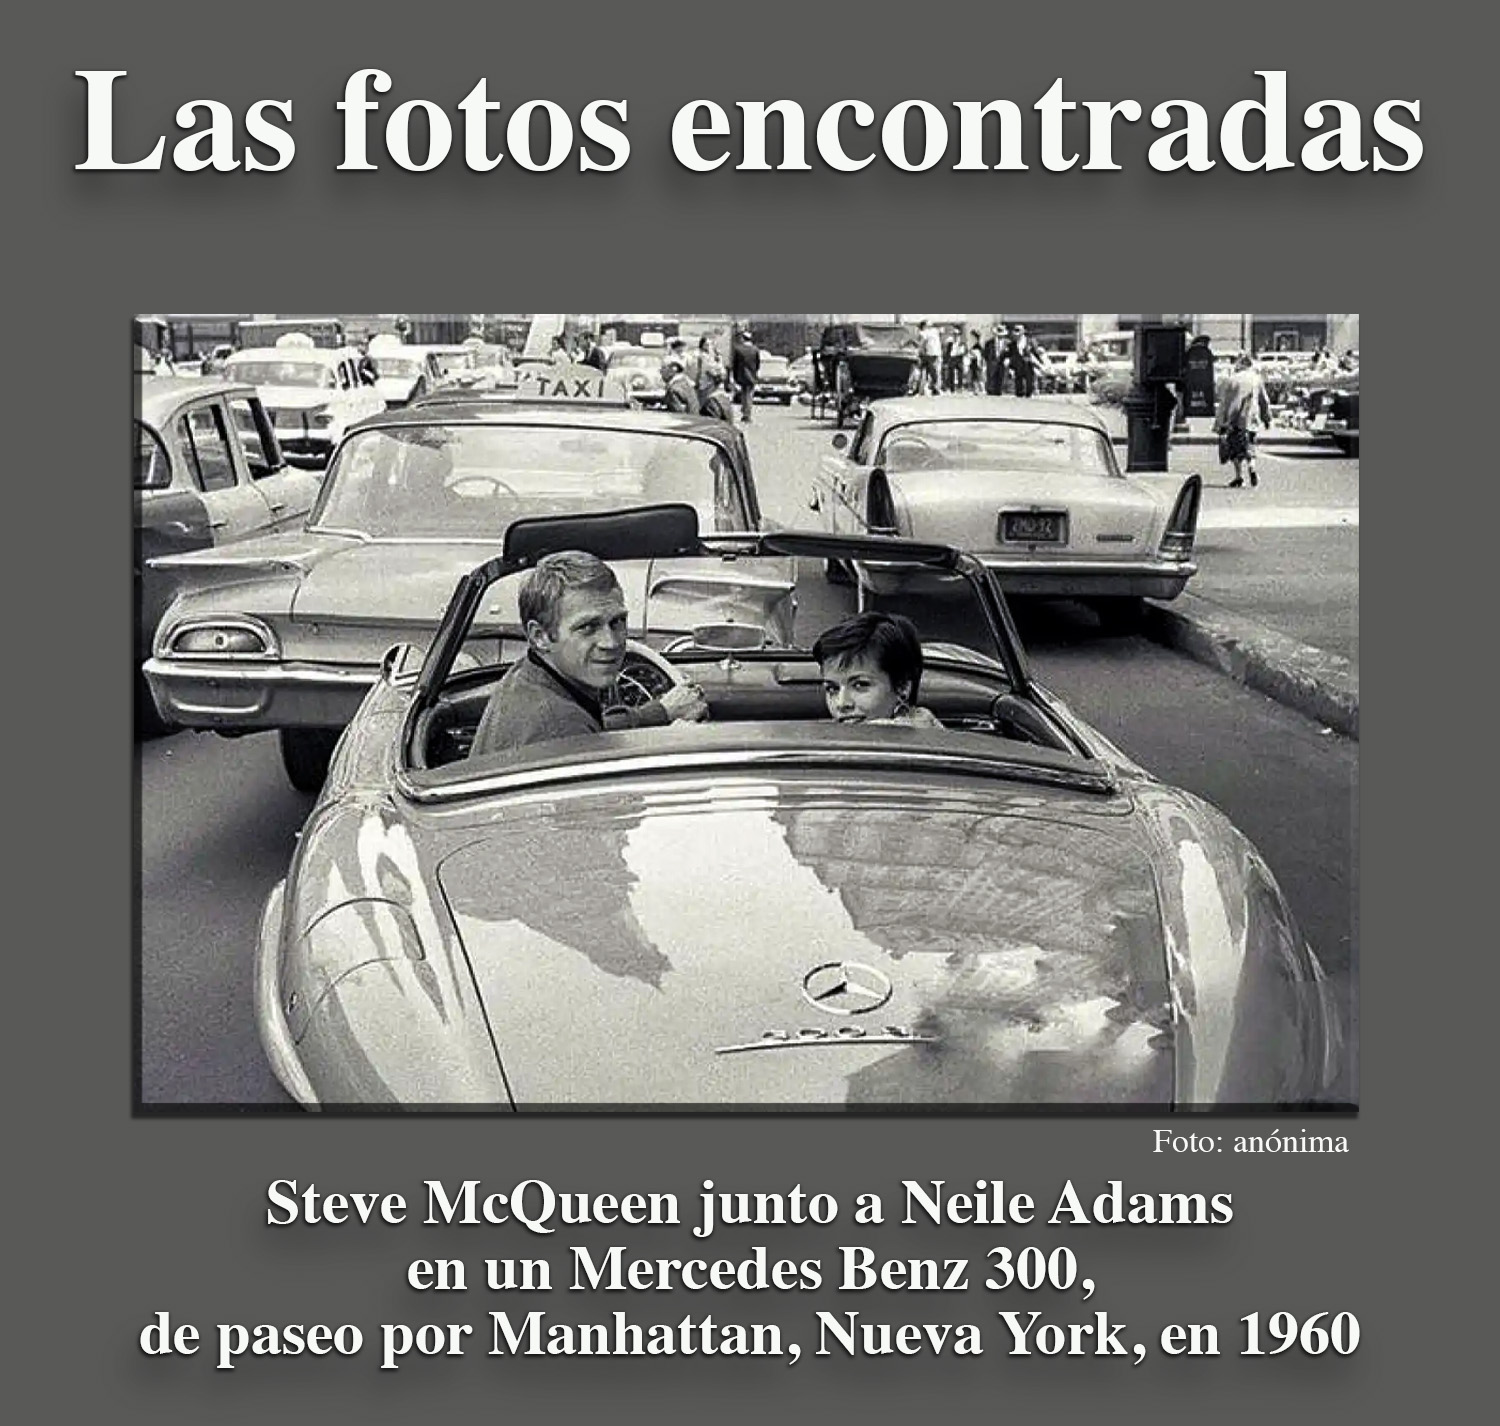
x=697 y=382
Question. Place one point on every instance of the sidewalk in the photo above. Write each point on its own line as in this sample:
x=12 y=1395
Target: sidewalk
x=1275 y=602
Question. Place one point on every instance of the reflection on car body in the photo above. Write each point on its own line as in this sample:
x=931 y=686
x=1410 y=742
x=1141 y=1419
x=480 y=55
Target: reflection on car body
x=653 y=917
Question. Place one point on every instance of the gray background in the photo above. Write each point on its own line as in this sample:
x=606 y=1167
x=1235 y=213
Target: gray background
x=112 y=1218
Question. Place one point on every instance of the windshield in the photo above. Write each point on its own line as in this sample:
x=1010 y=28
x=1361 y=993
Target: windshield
x=397 y=366
x=888 y=336
x=997 y=446
x=473 y=481
x=644 y=360
x=282 y=373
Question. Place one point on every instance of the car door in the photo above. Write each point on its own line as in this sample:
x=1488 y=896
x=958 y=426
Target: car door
x=213 y=460
x=289 y=491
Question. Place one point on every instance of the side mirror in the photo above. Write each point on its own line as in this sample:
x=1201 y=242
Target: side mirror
x=815 y=501
x=840 y=440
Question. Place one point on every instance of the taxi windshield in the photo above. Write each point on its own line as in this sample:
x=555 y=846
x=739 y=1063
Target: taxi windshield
x=282 y=373
x=397 y=366
x=996 y=446
x=474 y=481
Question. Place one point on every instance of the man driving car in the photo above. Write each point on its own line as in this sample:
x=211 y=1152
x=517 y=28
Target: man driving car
x=573 y=612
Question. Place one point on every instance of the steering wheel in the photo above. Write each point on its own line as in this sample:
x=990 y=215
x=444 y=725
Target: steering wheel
x=645 y=675
x=492 y=484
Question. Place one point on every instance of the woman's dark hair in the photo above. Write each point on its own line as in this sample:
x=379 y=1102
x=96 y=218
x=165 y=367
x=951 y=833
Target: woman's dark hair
x=891 y=641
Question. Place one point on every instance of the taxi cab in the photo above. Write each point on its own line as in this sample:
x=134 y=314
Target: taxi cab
x=313 y=394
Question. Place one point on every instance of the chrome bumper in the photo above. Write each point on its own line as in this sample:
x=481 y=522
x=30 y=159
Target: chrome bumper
x=249 y=697
x=1048 y=578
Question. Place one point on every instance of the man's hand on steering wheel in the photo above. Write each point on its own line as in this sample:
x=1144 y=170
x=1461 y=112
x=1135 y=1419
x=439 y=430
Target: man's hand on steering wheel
x=684 y=703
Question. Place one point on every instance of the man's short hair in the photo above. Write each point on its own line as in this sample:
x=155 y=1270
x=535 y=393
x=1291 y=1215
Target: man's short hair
x=891 y=641
x=542 y=591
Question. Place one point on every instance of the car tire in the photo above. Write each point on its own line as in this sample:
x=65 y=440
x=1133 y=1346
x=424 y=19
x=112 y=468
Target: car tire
x=306 y=754
x=1348 y=445
x=837 y=572
x=1123 y=614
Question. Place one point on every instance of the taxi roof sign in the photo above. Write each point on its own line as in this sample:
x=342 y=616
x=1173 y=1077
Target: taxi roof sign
x=571 y=383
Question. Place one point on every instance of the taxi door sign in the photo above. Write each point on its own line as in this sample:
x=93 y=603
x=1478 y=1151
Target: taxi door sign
x=571 y=383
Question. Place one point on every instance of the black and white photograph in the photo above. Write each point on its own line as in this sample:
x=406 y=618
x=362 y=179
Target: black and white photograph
x=904 y=712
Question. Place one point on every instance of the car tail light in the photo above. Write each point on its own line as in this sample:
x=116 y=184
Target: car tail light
x=238 y=638
x=1182 y=528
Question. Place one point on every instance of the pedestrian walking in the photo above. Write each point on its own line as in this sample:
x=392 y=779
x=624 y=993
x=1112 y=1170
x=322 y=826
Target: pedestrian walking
x=975 y=365
x=744 y=370
x=706 y=368
x=1243 y=408
x=994 y=361
x=930 y=346
x=1023 y=358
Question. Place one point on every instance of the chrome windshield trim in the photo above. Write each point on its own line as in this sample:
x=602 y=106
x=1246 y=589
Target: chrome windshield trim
x=906 y=758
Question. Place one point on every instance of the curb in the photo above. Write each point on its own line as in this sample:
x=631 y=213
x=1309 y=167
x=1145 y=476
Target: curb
x=1318 y=684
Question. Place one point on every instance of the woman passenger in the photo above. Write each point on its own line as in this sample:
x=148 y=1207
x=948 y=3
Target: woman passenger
x=872 y=667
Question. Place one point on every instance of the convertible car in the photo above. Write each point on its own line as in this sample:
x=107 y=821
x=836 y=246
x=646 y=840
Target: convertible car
x=857 y=362
x=771 y=909
x=288 y=632
x=1031 y=486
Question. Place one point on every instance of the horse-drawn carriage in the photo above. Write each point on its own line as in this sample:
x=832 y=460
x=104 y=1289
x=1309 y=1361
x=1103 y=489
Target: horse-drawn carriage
x=856 y=362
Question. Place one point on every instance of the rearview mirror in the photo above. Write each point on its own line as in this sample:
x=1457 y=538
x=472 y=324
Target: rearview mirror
x=729 y=638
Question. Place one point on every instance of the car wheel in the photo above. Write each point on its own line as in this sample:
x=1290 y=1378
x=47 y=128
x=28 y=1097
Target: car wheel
x=306 y=754
x=1121 y=615
x=1348 y=445
x=837 y=572
x=786 y=400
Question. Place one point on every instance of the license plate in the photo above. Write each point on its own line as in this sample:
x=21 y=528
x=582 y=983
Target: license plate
x=1033 y=527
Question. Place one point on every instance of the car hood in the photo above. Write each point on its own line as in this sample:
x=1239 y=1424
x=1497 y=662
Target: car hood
x=656 y=950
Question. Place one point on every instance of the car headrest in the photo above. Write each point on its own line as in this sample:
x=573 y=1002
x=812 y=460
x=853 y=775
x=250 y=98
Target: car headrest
x=644 y=532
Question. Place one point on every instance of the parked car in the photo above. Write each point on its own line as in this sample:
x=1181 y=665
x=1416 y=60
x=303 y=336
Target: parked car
x=774 y=381
x=313 y=394
x=857 y=362
x=639 y=370
x=771 y=909
x=1030 y=486
x=207 y=471
x=1333 y=413
x=289 y=632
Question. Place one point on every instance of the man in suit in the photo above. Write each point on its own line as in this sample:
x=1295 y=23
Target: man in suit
x=744 y=370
